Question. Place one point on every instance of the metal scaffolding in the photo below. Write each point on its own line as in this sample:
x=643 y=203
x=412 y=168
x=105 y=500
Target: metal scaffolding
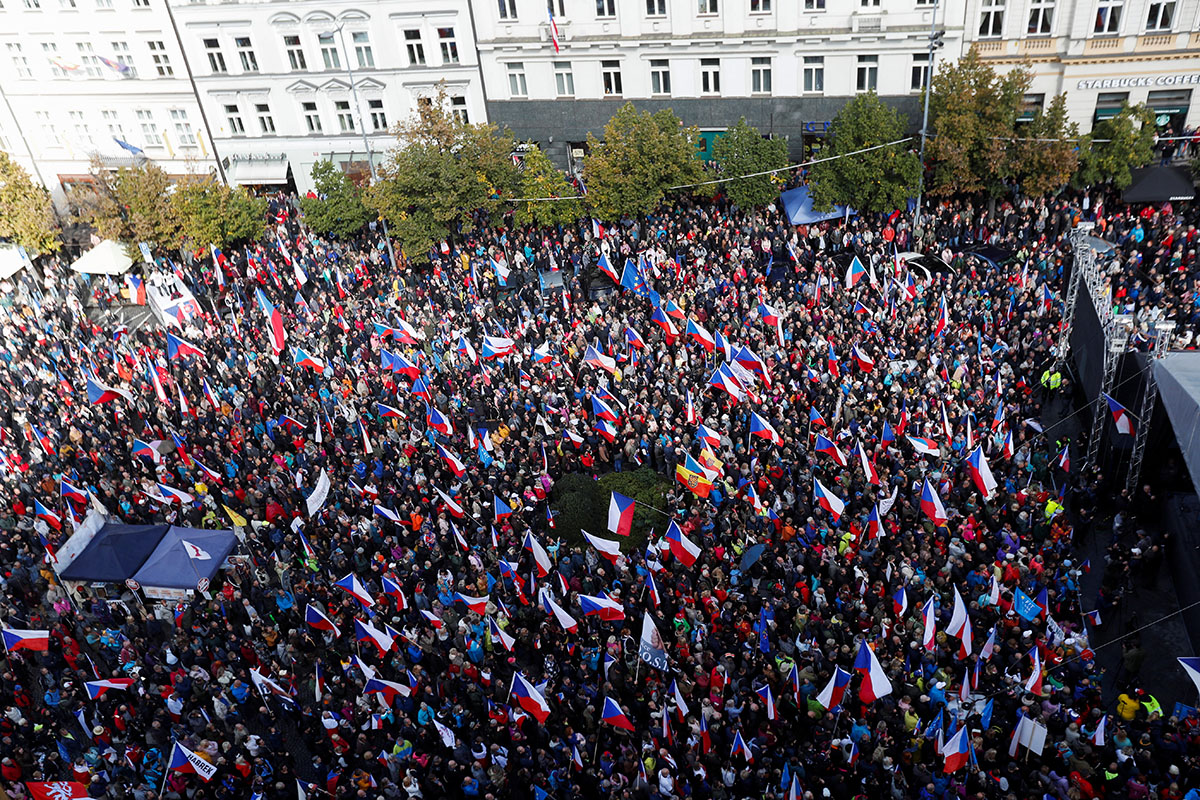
x=1162 y=343
x=1116 y=338
x=1083 y=253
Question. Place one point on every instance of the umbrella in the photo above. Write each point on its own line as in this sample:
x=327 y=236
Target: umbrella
x=752 y=554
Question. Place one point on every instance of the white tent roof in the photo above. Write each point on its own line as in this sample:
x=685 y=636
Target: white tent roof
x=11 y=260
x=106 y=258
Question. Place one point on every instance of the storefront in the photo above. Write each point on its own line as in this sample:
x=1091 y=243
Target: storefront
x=1165 y=88
x=261 y=171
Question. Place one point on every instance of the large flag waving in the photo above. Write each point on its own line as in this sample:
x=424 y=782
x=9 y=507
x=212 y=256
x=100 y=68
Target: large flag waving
x=650 y=647
x=274 y=321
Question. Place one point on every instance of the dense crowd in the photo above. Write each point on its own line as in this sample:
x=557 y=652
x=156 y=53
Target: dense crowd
x=861 y=571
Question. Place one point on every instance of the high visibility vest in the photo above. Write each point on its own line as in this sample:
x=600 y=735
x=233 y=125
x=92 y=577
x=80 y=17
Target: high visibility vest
x=1152 y=705
x=1056 y=380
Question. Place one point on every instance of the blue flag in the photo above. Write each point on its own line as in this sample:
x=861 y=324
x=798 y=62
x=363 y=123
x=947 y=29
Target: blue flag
x=985 y=720
x=1024 y=605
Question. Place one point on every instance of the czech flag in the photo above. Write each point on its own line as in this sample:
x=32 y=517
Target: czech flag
x=606 y=429
x=452 y=505
x=456 y=466
x=438 y=421
x=828 y=500
x=681 y=546
x=700 y=335
x=184 y=760
x=826 y=446
x=72 y=493
x=43 y=513
x=605 y=608
x=723 y=379
x=708 y=435
x=500 y=509
x=389 y=689
x=831 y=696
x=981 y=473
x=761 y=428
x=303 y=359
x=614 y=716
x=1121 y=416
x=605 y=266
x=540 y=556
x=923 y=446
x=19 y=639
x=137 y=289
x=530 y=699
x=388 y=412
x=1064 y=459
x=855 y=273
x=499 y=635
x=366 y=632
x=620 y=514
x=594 y=358
x=931 y=504
x=635 y=339
x=865 y=362
x=943 y=320
x=275 y=330
x=875 y=683
x=955 y=751
x=607 y=548
x=99 y=394
x=929 y=632
x=147 y=450
x=180 y=348
x=175 y=495
x=315 y=617
x=354 y=587
x=96 y=689
x=831 y=361
x=604 y=411
x=476 y=604
x=496 y=347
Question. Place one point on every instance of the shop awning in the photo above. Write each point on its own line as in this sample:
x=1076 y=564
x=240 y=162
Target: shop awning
x=256 y=173
x=1107 y=113
x=1158 y=185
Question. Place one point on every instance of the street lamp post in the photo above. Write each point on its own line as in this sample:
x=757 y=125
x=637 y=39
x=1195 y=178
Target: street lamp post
x=935 y=41
x=387 y=237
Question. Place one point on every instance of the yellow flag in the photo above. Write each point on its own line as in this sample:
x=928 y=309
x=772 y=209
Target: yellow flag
x=236 y=518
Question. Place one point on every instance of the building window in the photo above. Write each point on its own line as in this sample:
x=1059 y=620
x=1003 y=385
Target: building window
x=814 y=5
x=458 y=109
x=610 y=76
x=991 y=19
x=49 y=131
x=33 y=4
x=125 y=59
x=162 y=64
x=1160 y=16
x=760 y=75
x=141 y=3
x=760 y=6
x=113 y=123
x=606 y=9
x=266 y=123
x=1108 y=16
x=329 y=51
x=295 y=52
x=925 y=2
x=814 y=74
x=564 y=79
x=416 y=50
x=104 y=5
x=344 y=117
x=920 y=71
x=83 y=131
x=183 y=128
x=710 y=76
x=449 y=46
x=870 y=3
x=656 y=8
x=707 y=7
x=1041 y=17
x=362 y=50
x=234 y=116
x=556 y=8
x=246 y=54
x=868 y=73
x=516 y=79
x=660 y=76
x=88 y=59
x=66 y=5
x=1031 y=104
x=19 y=61
x=311 y=117
x=508 y=9
x=145 y=118
x=378 y=118
x=216 y=59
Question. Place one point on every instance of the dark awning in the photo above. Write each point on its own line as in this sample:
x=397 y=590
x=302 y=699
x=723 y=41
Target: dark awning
x=1158 y=185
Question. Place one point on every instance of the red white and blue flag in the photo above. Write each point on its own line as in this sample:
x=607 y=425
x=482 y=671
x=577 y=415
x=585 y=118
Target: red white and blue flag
x=620 y=514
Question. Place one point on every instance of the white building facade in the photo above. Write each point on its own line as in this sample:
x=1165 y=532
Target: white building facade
x=77 y=76
x=1101 y=53
x=785 y=65
x=288 y=84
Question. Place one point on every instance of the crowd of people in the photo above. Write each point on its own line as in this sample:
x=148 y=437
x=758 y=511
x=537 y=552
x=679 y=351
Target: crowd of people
x=861 y=581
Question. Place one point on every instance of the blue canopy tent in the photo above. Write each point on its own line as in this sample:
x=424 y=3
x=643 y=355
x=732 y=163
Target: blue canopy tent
x=115 y=553
x=176 y=565
x=798 y=205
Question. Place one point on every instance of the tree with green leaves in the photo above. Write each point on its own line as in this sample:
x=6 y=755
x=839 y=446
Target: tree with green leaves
x=26 y=214
x=338 y=209
x=131 y=204
x=642 y=156
x=742 y=150
x=1115 y=146
x=442 y=170
x=879 y=180
x=212 y=213
x=1045 y=154
x=540 y=178
x=974 y=115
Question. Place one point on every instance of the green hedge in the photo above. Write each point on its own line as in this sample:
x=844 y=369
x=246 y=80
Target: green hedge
x=582 y=502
